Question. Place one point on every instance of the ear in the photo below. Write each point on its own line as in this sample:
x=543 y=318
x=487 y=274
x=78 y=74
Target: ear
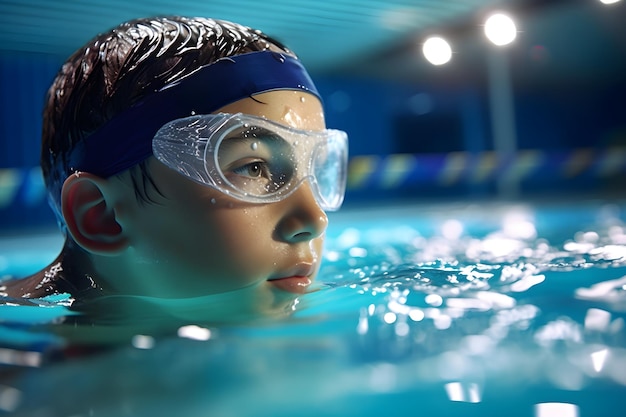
x=90 y=218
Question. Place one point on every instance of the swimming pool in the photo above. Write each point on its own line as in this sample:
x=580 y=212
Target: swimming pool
x=479 y=308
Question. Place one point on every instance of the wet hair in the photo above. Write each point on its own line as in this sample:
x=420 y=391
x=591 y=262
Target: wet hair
x=118 y=68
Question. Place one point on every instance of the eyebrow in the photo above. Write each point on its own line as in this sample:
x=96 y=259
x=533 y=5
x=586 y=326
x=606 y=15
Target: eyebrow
x=260 y=133
x=267 y=143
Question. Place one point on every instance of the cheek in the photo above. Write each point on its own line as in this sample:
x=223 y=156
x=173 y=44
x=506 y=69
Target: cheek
x=214 y=240
x=246 y=237
x=208 y=251
x=318 y=244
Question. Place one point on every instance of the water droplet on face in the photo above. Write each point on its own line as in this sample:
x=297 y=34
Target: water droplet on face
x=246 y=125
x=254 y=146
x=302 y=99
x=193 y=112
x=213 y=201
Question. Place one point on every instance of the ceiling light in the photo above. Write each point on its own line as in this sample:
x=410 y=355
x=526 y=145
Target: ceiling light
x=500 y=29
x=437 y=50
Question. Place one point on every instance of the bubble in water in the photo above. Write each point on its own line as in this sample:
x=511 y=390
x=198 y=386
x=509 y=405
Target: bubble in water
x=434 y=300
x=416 y=314
x=390 y=317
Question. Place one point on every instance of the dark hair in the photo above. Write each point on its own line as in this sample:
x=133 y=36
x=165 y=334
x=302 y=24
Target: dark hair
x=117 y=68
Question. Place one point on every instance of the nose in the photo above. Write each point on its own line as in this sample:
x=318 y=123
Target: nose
x=303 y=218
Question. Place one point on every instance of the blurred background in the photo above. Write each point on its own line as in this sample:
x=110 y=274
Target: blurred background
x=442 y=99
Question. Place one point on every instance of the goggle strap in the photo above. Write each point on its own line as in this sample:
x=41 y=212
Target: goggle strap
x=127 y=139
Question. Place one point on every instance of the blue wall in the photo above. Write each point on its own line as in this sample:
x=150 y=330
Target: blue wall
x=546 y=119
x=24 y=80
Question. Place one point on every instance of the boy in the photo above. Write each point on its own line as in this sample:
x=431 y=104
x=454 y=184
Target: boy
x=186 y=157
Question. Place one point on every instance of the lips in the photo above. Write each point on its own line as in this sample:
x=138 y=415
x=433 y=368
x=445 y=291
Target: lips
x=295 y=285
x=296 y=280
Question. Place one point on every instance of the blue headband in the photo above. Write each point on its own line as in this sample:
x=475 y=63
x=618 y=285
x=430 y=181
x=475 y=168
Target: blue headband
x=126 y=140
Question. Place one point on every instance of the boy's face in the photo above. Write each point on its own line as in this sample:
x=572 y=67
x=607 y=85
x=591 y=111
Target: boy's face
x=194 y=240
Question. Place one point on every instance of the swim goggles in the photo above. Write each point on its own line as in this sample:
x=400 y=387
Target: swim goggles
x=254 y=159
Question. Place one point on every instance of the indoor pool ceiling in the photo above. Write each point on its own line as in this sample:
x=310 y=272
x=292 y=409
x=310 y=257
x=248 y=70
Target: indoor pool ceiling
x=378 y=38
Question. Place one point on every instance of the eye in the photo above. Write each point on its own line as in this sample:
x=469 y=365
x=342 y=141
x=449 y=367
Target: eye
x=254 y=169
x=256 y=161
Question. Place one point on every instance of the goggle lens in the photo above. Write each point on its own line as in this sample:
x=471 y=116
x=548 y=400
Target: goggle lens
x=254 y=159
x=330 y=171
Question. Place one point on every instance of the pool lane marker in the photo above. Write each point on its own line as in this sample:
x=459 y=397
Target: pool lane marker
x=25 y=187
x=361 y=169
x=612 y=162
x=10 y=181
x=454 y=165
x=400 y=170
x=21 y=187
x=485 y=167
x=523 y=165
x=577 y=162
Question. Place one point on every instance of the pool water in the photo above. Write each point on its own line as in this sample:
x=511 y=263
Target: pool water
x=513 y=309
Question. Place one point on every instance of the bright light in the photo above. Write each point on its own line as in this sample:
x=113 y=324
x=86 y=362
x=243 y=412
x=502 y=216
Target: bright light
x=434 y=300
x=597 y=320
x=390 y=318
x=525 y=283
x=458 y=391
x=10 y=398
x=452 y=229
x=609 y=1
x=141 y=341
x=500 y=29
x=556 y=409
x=416 y=315
x=194 y=332
x=363 y=326
x=437 y=50
x=598 y=358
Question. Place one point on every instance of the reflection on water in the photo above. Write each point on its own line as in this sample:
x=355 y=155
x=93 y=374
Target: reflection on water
x=505 y=308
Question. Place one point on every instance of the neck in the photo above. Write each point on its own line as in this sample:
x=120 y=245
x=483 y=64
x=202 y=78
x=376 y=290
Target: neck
x=78 y=272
